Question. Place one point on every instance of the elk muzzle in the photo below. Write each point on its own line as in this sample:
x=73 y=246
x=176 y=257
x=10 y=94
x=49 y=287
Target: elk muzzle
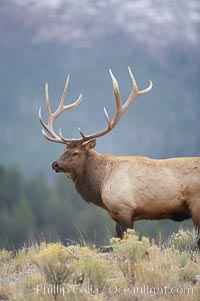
x=55 y=166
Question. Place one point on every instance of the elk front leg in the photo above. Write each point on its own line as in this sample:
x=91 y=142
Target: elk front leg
x=124 y=220
x=122 y=227
x=198 y=242
x=195 y=212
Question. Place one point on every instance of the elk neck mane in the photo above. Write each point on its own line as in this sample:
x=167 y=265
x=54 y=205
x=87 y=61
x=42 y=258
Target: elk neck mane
x=90 y=181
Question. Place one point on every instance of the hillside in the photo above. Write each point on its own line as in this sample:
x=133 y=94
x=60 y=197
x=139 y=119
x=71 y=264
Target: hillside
x=46 y=40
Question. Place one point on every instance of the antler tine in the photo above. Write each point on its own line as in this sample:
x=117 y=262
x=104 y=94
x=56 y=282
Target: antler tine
x=52 y=116
x=107 y=117
x=62 y=100
x=81 y=133
x=116 y=90
x=61 y=108
x=135 y=92
x=47 y=100
x=48 y=126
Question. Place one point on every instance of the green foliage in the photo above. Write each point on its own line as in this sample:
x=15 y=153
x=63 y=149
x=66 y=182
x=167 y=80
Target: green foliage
x=37 y=193
x=184 y=239
x=128 y=252
x=93 y=269
x=10 y=187
x=56 y=263
x=36 y=209
x=24 y=222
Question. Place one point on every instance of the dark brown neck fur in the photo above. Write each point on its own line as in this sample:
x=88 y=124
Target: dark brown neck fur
x=89 y=183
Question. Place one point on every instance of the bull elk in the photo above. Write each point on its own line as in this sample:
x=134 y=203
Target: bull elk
x=128 y=188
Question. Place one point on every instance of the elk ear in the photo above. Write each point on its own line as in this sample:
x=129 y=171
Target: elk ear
x=91 y=144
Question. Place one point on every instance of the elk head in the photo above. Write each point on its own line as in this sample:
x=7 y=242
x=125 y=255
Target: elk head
x=71 y=162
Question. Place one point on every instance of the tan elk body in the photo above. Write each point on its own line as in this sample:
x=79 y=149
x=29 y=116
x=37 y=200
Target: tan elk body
x=129 y=188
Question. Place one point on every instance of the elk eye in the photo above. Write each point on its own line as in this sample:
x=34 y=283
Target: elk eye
x=75 y=154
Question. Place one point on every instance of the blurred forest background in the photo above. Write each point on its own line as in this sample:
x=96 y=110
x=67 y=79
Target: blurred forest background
x=47 y=40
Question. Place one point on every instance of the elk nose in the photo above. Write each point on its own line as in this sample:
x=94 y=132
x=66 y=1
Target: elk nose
x=54 y=165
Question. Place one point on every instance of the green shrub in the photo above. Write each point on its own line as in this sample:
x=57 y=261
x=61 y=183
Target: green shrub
x=128 y=252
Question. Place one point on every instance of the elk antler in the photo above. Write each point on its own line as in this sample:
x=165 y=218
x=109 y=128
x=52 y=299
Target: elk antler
x=121 y=108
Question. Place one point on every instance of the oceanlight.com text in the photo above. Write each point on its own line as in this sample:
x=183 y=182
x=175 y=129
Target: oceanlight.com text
x=112 y=289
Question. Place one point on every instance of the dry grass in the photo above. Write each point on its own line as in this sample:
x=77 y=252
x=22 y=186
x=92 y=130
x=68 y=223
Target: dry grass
x=135 y=270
